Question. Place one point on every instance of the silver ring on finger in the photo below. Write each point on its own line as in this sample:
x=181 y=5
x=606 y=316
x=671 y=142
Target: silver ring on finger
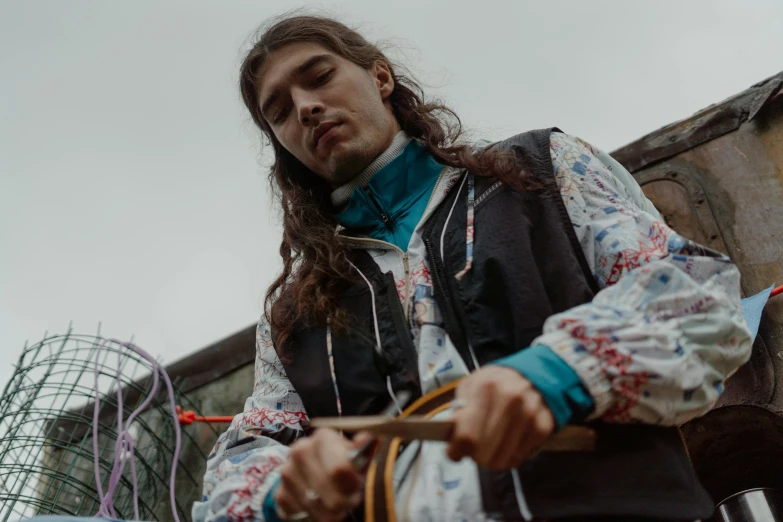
x=311 y=496
x=302 y=516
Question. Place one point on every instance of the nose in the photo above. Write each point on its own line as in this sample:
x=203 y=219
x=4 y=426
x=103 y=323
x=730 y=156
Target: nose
x=310 y=109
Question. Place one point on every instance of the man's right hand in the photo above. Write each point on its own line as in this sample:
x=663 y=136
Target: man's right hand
x=319 y=478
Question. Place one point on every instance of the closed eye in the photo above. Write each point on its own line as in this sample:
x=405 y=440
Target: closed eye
x=280 y=116
x=322 y=78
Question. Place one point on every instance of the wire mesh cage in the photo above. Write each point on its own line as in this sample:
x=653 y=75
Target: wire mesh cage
x=47 y=443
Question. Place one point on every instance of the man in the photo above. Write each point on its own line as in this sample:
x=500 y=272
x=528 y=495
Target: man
x=534 y=270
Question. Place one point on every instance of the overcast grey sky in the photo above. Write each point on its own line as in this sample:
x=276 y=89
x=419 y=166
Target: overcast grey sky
x=132 y=191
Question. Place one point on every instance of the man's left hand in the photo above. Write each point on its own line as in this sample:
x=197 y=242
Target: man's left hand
x=501 y=421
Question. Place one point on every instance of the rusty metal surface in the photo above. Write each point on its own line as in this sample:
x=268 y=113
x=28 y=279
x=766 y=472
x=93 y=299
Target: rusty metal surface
x=705 y=125
x=717 y=178
x=679 y=197
x=736 y=448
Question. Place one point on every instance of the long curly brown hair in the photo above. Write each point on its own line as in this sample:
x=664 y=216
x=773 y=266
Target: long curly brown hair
x=315 y=262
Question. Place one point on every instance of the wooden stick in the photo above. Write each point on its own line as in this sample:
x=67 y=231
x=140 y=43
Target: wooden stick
x=418 y=427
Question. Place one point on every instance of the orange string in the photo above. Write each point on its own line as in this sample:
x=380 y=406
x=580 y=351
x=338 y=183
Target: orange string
x=189 y=417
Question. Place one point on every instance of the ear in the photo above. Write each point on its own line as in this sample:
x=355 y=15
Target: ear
x=383 y=79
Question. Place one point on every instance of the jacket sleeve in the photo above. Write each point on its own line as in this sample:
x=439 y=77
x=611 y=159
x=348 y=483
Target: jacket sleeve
x=243 y=465
x=659 y=339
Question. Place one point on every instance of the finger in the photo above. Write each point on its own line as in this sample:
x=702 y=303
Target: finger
x=305 y=475
x=289 y=496
x=330 y=453
x=360 y=438
x=540 y=426
x=340 y=480
x=469 y=421
x=504 y=430
x=364 y=447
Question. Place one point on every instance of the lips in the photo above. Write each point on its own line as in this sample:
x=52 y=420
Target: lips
x=322 y=129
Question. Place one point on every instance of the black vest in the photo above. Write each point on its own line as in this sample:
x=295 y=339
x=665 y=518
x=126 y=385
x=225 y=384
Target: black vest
x=527 y=265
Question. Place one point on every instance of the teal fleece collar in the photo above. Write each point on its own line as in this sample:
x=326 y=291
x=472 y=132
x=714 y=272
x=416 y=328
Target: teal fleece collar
x=390 y=205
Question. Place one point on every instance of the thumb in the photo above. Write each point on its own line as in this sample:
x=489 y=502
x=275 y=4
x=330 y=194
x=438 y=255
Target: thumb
x=361 y=438
x=365 y=446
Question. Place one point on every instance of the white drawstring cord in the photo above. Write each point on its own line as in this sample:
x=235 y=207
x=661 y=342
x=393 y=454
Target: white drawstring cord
x=524 y=510
x=448 y=217
x=374 y=313
x=378 y=336
x=393 y=395
x=330 y=355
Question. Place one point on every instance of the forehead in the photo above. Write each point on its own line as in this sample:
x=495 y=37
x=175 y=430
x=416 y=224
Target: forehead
x=281 y=63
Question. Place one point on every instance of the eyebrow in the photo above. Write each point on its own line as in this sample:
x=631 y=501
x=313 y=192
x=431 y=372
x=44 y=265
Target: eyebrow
x=300 y=70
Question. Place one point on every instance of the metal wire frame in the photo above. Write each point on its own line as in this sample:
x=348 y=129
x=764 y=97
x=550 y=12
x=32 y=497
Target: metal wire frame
x=46 y=446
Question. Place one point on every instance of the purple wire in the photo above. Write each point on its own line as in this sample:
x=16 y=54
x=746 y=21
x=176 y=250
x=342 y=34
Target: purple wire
x=95 y=432
x=124 y=441
x=120 y=432
x=177 y=431
x=124 y=445
x=134 y=479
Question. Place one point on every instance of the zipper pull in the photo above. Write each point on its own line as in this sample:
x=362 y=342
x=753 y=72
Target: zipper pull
x=384 y=217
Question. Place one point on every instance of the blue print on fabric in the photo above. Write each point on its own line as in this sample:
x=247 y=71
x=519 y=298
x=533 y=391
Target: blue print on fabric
x=580 y=168
x=448 y=366
x=676 y=242
x=451 y=484
x=605 y=232
x=236 y=459
x=679 y=350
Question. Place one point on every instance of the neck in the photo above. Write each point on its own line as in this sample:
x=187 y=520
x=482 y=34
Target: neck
x=342 y=194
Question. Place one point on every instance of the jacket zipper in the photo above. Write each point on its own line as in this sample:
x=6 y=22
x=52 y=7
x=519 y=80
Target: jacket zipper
x=406 y=270
x=441 y=288
x=377 y=205
x=487 y=192
x=398 y=307
x=387 y=221
x=427 y=210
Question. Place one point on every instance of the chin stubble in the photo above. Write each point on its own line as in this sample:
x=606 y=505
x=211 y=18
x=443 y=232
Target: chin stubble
x=345 y=167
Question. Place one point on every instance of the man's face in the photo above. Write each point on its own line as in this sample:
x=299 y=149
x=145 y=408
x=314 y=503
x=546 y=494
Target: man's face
x=331 y=114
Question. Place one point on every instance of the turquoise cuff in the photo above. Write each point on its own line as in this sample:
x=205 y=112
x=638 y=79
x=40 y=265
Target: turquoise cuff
x=269 y=507
x=557 y=383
